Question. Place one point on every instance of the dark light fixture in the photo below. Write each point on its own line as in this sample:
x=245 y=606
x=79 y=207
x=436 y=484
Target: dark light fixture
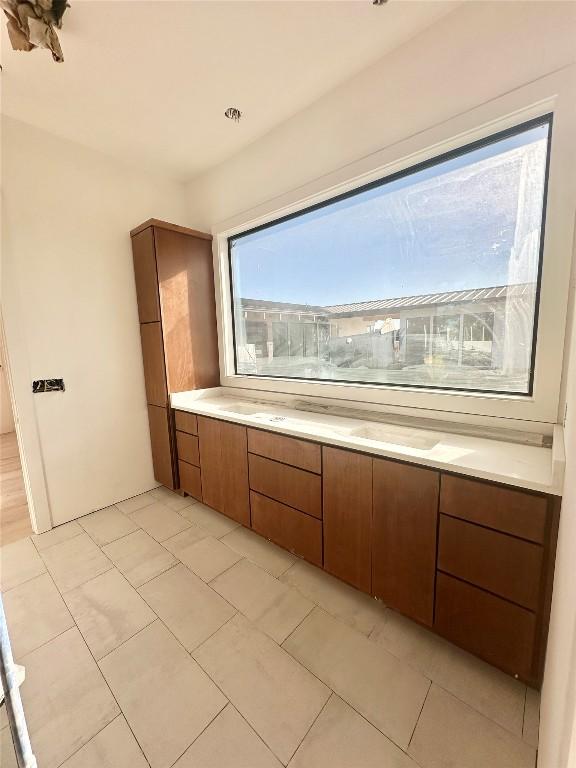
x=232 y=113
x=379 y=2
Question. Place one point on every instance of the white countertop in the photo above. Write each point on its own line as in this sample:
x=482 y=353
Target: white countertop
x=526 y=466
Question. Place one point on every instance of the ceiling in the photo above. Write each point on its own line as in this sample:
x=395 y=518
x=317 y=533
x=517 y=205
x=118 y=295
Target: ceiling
x=149 y=82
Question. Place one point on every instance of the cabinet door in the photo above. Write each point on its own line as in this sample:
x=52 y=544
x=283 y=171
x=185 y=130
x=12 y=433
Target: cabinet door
x=161 y=446
x=154 y=370
x=186 y=284
x=145 y=274
x=224 y=468
x=405 y=520
x=347 y=491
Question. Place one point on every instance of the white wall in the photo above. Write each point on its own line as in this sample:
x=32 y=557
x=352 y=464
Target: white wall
x=69 y=310
x=475 y=54
x=558 y=720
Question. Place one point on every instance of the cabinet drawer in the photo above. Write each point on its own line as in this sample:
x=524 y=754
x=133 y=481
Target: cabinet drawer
x=190 y=479
x=188 y=448
x=186 y=422
x=492 y=628
x=516 y=512
x=295 y=487
x=289 y=450
x=287 y=527
x=509 y=567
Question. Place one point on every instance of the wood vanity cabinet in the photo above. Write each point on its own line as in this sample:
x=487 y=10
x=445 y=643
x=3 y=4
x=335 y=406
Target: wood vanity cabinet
x=347 y=514
x=224 y=468
x=470 y=559
x=404 y=525
x=176 y=307
x=380 y=522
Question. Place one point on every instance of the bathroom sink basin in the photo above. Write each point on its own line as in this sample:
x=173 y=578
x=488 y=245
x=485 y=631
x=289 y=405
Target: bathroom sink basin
x=246 y=409
x=386 y=433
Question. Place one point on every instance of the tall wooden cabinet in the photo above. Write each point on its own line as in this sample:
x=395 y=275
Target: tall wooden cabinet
x=176 y=307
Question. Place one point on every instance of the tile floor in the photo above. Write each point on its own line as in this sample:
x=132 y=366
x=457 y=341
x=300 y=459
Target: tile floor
x=159 y=633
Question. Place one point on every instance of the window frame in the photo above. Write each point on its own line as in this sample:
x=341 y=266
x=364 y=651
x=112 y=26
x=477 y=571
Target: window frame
x=547 y=120
x=554 y=93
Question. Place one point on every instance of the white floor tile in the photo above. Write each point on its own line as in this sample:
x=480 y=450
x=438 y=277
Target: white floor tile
x=139 y=557
x=66 y=699
x=486 y=689
x=188 y=606
x=531 y=717
x=108 y=611
x=272 y=606
x=107 y=525
x=213 y=522
x=159 y=521
x=276 y=695
x=208 y=557
x=338 y=599
x=386 y=691
x=114 y=747
x=228 y=742
x=19 y=562
x=57 y=535
x=341 y=738
x=35 y=613
x=75 y=561
x=136 y=502
x=450 y=733
x=273 y=559
x=165 y=696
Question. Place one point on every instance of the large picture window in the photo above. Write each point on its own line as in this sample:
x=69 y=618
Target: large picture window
x=426 y=278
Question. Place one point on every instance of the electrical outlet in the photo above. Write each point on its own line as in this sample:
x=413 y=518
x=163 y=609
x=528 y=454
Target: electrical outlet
x=48 y=385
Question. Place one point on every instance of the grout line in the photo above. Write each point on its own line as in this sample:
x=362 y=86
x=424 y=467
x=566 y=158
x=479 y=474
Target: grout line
x=26 y=581
x=289 y=635
x=211 y=582
x=312 y=724
x=56 y=543
x=419 y=716
x=120 y=715
x=181 y=755
x=197 y=648
x=524 y=712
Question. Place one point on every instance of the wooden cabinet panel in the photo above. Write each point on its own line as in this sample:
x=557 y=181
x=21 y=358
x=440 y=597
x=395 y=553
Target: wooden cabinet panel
x=145 y=274
x=154 y=370
x=186 y=284
x=224 y=467
x=186 y=422
x=505 y=509
x=288 y=450
x=405 y=518
x=509 y=567
x=498 y=631
x=190 y=480
x=161 y=445
x=294 y=487
x=287 y=527
x=347 y=515
x=188 y=450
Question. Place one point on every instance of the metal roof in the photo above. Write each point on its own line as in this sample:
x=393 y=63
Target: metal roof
x=473 y=296
x=451 y=297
